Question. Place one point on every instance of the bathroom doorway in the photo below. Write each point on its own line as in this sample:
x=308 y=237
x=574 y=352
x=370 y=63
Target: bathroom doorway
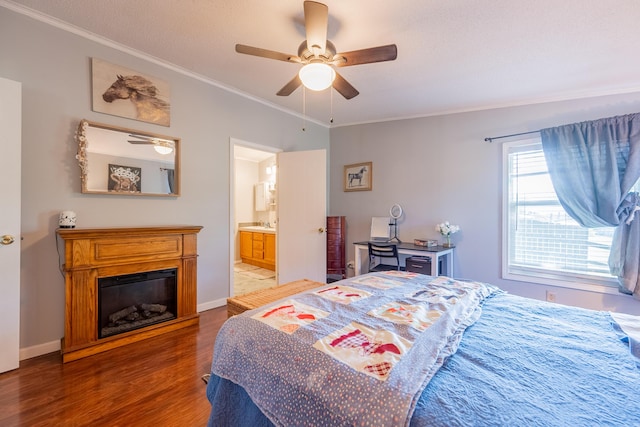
x=254 y=215
x=297 y=213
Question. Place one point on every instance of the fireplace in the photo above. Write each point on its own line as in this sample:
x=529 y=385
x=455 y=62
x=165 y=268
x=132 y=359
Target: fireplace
x=133 y=301
x=123 y=285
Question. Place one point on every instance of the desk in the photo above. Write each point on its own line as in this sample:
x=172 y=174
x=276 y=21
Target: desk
x=434 y=252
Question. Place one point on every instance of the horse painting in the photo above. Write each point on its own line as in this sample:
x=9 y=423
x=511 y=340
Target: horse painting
x=357 y=176
x=144 y=96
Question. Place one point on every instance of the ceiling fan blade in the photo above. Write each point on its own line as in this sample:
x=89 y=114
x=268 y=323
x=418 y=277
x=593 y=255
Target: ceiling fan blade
x=265 y=53
x=145 y=137
x=344 y=88
x=288 y=89
x=366 y=56
x=149 y=139
x=316 y=21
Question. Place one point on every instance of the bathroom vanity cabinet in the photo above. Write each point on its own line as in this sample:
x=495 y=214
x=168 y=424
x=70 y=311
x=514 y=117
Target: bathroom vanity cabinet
x=258 y=248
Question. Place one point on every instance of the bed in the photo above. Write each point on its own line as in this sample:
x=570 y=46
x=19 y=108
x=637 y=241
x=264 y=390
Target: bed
x=399 y=349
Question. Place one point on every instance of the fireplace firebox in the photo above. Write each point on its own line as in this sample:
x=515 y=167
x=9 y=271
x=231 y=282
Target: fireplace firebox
x=133 y=301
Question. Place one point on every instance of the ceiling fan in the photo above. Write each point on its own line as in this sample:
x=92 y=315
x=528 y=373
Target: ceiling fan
x=319 y=55
x=162 y=146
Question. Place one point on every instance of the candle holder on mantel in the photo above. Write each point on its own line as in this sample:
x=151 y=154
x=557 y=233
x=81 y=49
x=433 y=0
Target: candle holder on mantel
x=67 y=219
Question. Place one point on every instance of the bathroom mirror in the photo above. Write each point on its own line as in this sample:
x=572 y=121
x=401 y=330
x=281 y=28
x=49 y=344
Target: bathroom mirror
x=121 y=161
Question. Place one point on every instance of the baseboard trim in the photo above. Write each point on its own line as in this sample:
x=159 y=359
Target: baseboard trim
x=39 y=350
x=211 y=304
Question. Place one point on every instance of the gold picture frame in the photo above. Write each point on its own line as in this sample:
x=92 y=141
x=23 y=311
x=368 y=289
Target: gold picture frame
x=358 y=177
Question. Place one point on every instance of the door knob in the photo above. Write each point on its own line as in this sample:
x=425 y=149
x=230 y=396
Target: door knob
x=320 y=230
x=7 y=240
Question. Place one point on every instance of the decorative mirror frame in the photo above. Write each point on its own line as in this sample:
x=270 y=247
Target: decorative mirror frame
x=83 y=158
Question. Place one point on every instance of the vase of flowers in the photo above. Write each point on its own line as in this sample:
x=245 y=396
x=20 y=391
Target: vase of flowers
x=447 y=229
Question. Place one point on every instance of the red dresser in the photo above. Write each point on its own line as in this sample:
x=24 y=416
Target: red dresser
x=336 y=235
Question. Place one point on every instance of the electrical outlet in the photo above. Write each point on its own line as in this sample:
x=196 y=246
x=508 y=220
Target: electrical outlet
x=551 y=296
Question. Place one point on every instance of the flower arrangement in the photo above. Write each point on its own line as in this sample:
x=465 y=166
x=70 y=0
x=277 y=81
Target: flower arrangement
x=447 y=229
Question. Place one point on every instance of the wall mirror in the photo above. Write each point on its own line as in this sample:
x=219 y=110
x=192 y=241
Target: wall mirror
x=121 y=161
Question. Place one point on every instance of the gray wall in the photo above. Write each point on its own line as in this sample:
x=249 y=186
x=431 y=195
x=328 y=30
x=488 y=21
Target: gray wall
x=54 y=68
x=440 y=168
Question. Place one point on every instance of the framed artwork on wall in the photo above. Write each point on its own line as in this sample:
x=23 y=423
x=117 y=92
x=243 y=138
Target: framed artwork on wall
x=126 y=93
x=358 y=177
x=124 y=179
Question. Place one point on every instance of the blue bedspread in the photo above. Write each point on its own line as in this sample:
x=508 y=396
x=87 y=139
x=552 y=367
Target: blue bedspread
x=522 y=363
x=532 y=363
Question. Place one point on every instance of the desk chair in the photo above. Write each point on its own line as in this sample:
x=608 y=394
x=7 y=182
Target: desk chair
x=383 y=251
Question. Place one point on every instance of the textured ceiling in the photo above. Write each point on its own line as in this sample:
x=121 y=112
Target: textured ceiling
x=454 y=55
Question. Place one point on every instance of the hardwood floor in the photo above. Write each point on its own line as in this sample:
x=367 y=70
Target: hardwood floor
x=155 y=382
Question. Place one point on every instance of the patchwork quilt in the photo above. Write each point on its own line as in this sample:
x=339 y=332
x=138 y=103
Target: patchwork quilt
x=355 y=352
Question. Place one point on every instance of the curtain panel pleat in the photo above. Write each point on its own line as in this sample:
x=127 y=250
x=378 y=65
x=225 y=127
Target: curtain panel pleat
x=171 y=180
x=593 y=166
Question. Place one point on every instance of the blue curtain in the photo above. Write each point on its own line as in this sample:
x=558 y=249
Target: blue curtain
x=171 y=180
x=593 y=166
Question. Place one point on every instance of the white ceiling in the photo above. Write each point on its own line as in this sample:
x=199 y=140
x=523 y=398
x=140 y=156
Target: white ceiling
x=453 y=55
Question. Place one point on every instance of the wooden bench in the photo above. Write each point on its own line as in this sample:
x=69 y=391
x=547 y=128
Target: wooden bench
x=241 y=303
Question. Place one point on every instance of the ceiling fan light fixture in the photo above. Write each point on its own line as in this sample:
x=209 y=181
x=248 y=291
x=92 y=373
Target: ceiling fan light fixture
x=317 y=76
x=162 y=149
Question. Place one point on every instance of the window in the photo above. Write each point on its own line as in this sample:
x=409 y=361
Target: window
x=541 y=243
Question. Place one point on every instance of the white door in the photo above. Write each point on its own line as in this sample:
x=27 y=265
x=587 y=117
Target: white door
x=302 y=216
x=10 y=126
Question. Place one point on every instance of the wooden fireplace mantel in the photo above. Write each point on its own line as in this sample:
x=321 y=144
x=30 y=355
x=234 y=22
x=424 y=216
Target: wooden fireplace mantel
x=93 y=253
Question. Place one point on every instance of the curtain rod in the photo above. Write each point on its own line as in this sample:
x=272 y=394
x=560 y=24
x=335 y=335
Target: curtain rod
x=491 y=138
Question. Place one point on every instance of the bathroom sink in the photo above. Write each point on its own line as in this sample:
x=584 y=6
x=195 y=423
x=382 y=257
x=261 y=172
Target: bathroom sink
x=258 y=228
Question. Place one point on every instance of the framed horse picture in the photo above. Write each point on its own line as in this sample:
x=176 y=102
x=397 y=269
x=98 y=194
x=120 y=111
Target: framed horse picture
x=358 y=177
x=126 y=93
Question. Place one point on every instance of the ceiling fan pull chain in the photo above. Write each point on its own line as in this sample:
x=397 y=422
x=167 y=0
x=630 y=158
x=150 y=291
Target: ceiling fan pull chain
x=331 y=106
x=304 y=110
